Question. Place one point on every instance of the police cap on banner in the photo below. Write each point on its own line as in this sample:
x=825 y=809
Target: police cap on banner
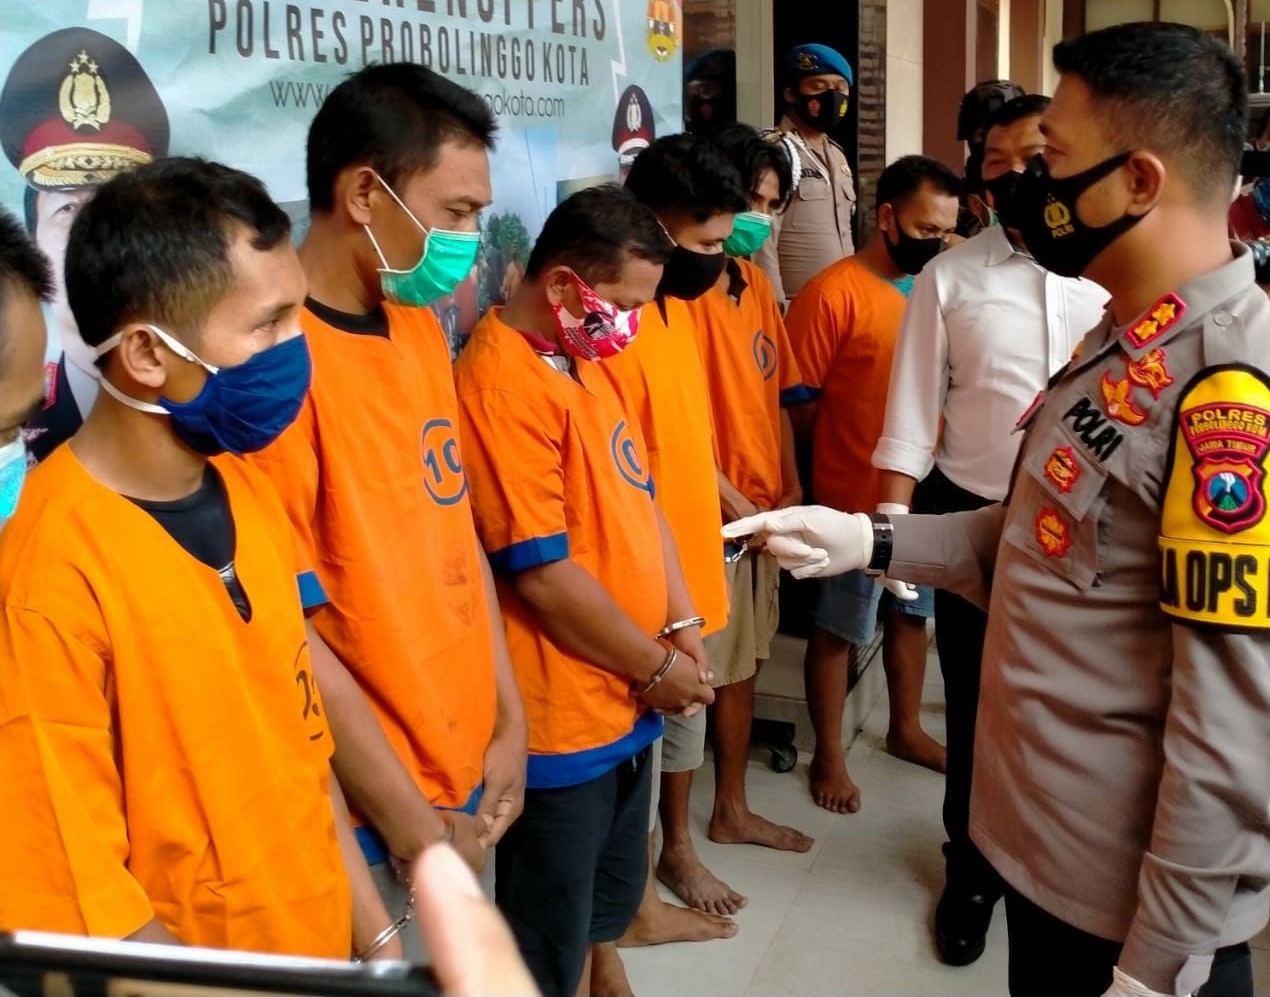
x=816 y=60
x=632 y=125
x=77 y=109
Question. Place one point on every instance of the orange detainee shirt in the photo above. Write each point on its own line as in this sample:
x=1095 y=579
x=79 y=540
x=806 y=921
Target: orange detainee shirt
x=160 y=757
x=751 y=373
x=843 y=326
x=373 y=479
x=559 y=470
x=665 y=385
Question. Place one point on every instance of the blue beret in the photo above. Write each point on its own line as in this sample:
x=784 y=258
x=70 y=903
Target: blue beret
x=816 y=60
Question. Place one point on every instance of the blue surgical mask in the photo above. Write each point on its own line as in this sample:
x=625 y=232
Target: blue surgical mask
x=240 y=409
x=12 y=475
x=446 y=260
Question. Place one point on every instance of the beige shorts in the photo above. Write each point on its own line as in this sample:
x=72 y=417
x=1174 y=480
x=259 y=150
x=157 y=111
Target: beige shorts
x=684 y=744
x=747 y=639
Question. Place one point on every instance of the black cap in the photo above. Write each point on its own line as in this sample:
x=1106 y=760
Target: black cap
x=979 y=104
x=77 y=109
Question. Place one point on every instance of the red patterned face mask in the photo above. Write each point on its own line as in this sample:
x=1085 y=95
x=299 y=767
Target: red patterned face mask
x=603 y=331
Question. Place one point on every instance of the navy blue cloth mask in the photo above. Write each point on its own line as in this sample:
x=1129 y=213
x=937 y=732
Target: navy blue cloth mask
x=240 y=409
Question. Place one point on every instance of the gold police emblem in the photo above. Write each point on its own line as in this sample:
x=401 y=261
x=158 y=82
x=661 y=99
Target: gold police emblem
x=805 y=61
x=1059 y=218
x=83 y=98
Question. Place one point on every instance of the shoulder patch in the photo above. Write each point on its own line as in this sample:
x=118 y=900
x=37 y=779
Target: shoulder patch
x=1214 y=537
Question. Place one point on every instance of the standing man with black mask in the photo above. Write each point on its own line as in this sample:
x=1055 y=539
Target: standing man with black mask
x=1123 y=746
x=814 y=229
x=985 y=328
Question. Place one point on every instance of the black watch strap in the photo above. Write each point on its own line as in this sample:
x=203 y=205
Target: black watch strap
x=883 y=543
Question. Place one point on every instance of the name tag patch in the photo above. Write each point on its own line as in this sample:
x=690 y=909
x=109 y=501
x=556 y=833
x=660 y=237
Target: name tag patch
x=1095 y=430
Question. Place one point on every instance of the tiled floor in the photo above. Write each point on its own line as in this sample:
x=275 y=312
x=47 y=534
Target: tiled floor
x=852 y=916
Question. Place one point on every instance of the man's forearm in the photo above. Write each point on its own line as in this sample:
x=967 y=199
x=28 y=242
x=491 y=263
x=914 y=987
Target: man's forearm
x=789 y=455
x=956 y=551
x=802 y=421
x=371 y=774
x=370 y=916
x=580 y=616
x=896 y=487
x=510 y=720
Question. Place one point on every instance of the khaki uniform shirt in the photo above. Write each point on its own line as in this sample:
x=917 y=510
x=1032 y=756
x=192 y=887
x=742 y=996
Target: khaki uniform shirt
x=814 y=230
x=1122 y=757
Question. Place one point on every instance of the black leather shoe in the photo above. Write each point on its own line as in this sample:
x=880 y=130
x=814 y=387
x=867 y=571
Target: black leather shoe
x=961 y=926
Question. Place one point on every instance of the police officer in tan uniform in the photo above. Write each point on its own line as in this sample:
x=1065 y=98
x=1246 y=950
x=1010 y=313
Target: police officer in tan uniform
x=814 y=230
x=1122 y=763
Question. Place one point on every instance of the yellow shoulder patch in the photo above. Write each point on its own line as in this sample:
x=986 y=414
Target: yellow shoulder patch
x=1214 y=533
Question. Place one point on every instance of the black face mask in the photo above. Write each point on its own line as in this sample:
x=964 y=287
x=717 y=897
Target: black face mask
x=908 y=252
x=1045 y=215
x=823 y=111
x=689 y=275
x=1003 y=190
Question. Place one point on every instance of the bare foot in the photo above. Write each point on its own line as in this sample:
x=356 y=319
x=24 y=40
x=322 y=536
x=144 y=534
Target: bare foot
x=608 y=975
x=748 y=828
x=832 y=788
x=672 y=923
x=919 y=748
x=694 y=884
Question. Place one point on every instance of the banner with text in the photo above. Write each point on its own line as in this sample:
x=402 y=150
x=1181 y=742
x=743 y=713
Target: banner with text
x=91 y=87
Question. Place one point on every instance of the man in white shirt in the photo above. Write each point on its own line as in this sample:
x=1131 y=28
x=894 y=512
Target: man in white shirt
x=985 y=329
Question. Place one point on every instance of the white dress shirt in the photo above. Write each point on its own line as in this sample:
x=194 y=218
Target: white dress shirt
x=984 y=330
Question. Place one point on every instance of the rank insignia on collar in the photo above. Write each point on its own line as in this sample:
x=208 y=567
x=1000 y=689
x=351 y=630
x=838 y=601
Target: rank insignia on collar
x=1161 y=317
x=1076 y=352
x=1053 y=532
x=1117 y=398
x=1150 y=372
x=1062 y=468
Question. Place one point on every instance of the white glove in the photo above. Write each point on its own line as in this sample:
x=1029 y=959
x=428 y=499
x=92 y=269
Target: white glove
x=904 y=591
x=810 y=540
x=1126 y=986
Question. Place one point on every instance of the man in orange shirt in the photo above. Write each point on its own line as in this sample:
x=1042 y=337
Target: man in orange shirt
x=429 y=729
x=843 y=326
x=152 y=638
x=750 y=371
x=589 y=575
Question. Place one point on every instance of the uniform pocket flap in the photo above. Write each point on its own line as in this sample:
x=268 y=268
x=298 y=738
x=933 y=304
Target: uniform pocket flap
x=1065 y=472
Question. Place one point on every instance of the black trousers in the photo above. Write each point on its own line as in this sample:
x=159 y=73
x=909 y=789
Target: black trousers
x=1050 y=958
x=959 y=633
x=570 y=872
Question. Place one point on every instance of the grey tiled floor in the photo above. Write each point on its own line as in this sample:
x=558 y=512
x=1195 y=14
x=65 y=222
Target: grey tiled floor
x=852 y=916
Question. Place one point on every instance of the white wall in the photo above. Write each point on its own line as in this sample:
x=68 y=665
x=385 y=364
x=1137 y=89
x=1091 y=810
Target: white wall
x=904 y=73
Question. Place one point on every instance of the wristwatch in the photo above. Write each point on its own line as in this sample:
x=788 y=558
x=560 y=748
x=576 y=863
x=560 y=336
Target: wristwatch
x=883 y=544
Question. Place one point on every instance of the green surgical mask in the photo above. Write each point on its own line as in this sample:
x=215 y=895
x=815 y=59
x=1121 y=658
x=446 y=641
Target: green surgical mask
x=749 y=231
x=447 y=259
